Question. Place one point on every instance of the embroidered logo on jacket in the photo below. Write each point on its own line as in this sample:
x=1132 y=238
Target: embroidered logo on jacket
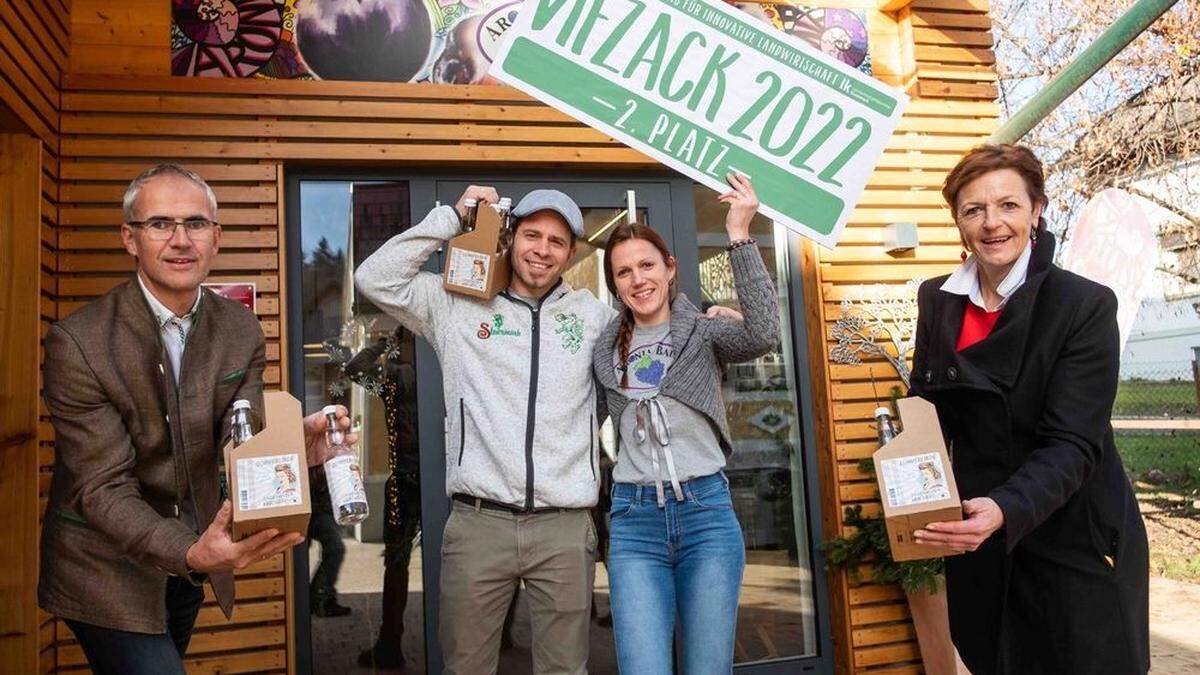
x=570 y=327
x=496 y=327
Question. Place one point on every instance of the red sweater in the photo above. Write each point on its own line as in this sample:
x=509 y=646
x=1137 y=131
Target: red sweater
x=977 y=324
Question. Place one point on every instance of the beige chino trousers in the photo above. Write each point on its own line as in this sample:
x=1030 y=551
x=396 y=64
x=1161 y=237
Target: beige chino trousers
x=485 y=553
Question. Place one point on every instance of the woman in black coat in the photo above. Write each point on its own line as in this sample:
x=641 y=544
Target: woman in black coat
x=1020 y=358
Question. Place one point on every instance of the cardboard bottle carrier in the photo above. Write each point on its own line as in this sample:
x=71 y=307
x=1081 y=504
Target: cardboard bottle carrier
x=916 y=482
x=475 y=265
x=268 y=474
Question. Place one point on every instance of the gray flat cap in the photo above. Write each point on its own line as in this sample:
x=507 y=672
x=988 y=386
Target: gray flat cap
x=551 y=200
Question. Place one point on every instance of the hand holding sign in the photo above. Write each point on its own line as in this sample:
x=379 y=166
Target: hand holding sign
x=743 y=204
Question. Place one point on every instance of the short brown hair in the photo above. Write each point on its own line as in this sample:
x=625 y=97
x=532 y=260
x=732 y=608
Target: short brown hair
x=993 y=157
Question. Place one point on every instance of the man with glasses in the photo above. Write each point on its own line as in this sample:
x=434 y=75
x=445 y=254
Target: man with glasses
x=140 y=384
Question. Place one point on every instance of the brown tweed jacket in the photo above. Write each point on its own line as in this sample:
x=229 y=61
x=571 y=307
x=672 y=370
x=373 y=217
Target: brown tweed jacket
x=130 y=448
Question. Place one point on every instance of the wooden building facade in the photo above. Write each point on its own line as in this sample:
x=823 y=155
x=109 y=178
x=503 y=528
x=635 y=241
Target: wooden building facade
x=87 y=101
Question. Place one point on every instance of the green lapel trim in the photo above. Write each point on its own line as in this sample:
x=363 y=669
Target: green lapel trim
x=70 y=516
x=232 y=376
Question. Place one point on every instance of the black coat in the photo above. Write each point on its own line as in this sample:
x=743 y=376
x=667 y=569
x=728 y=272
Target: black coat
x=1063 y=586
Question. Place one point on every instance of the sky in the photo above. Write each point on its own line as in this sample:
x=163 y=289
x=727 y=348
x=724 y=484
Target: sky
x=324 y=212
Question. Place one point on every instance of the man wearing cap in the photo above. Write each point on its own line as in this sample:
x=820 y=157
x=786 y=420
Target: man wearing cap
x=521 y=442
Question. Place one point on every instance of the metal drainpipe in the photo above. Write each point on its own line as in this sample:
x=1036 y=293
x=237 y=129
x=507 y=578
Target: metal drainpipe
x=1123 y=31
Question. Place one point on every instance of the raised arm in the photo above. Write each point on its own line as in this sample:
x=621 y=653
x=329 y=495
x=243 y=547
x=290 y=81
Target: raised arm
x=758 y=333
x=392 y=278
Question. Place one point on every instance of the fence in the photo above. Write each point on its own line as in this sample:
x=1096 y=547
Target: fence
x=1163 y=390
x=1156 y=420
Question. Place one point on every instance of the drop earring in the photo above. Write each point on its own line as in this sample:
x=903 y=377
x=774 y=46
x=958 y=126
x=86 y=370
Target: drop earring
x=964 y=255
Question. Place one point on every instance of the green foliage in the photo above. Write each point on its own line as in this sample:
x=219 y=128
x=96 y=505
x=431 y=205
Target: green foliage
x=869 y=543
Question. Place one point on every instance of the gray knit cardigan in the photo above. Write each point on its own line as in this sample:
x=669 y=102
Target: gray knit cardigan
x=702 y=344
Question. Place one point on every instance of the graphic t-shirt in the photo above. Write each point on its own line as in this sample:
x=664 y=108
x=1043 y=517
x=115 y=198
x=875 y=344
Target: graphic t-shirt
x=693 y=449
x=650 y=355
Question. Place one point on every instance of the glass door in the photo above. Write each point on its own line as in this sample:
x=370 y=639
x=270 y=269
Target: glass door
x=772 y=470
x=604 y=203
x=361 y=586
x=390 y=565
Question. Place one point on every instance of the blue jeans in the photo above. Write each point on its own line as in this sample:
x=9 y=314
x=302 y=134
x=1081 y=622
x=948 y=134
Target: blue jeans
x=684 y=560
x=117 y=652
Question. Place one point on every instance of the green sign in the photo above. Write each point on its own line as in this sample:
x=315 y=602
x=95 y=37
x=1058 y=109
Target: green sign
x=706 y=90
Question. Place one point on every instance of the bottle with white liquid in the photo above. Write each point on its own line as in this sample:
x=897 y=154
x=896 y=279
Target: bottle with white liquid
x=343 y=474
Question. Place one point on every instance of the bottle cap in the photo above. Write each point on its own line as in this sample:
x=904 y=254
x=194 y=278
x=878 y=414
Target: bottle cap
x=469 y=203
x=506 y=202
x=883 y=410
x=329 y=410
x=241 y=404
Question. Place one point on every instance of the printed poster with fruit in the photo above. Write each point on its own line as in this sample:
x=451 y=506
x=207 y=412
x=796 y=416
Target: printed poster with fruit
x=708 y=90
x=436 y=41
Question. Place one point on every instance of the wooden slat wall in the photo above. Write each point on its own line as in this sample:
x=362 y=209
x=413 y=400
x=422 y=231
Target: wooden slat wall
x=939 y=50
x=20 y=204
x=255 y=641
x=33 y=56
x=241 y=134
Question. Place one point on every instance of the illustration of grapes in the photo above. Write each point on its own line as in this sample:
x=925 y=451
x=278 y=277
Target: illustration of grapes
x=648 y=370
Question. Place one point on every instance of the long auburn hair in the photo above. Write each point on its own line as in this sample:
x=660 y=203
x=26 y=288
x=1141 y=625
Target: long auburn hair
x=623 y=233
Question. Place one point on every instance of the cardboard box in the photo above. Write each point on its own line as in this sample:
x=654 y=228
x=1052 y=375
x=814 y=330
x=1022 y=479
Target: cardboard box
x=268 y=474
x=475 y=265
x=916 y=483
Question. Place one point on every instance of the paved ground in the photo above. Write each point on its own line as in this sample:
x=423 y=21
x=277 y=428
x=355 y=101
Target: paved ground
x=1174 y=626
x=1174 y=623
x=770 y=621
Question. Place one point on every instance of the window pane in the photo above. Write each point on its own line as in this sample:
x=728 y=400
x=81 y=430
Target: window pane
x=776 y=616
x=341 y=223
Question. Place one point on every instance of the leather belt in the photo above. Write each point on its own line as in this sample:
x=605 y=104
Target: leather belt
x=480 y=502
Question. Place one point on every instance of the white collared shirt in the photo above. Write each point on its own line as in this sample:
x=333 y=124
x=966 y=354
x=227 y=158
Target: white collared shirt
x=172 y=329
x=965 y=280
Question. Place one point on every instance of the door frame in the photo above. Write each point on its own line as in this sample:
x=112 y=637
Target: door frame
x=423 y=188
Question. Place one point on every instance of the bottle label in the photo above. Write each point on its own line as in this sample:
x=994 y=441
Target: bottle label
x=917 y=479
x=468 y=269
x=344 y=477
x=268 y=482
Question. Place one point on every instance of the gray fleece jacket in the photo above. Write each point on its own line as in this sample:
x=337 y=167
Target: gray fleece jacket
x=519 y=394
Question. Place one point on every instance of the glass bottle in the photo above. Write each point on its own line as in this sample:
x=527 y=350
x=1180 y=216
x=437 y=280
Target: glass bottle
x=468 y=221
x=884 y=427
x=504 y=208
x=241 y=427
x=343 y=474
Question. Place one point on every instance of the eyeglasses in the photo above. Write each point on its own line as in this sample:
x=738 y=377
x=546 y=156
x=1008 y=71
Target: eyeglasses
x=162 y=229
